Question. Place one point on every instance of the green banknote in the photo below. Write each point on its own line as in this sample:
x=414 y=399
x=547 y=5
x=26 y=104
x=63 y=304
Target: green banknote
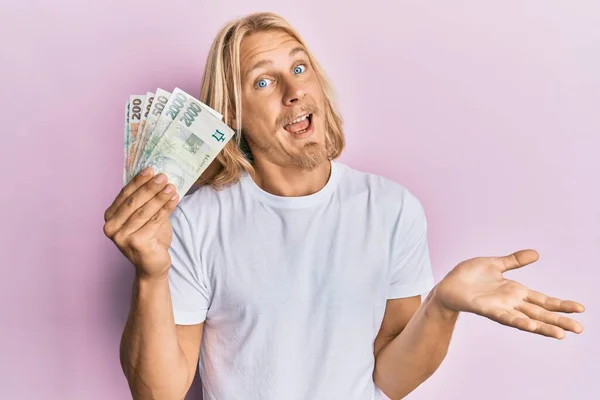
x=188 y=146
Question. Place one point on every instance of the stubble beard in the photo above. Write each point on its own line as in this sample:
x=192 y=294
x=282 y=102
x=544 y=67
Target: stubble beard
x=310 y=156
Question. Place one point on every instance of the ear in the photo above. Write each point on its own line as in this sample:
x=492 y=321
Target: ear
x=234 y=124
x=231 y=117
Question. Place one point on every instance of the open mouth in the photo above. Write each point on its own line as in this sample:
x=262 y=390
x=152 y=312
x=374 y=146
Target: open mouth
x=300 y=125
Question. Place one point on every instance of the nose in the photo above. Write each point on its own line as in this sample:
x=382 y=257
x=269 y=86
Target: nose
x=294 y=92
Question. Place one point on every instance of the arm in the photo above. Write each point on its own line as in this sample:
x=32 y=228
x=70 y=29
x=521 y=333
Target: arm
x=477 y=286
x=158 y=357
x=413 y=351
x=413 y=338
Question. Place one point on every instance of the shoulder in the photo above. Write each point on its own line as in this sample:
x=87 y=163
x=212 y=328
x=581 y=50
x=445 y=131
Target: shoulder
x=388 y=194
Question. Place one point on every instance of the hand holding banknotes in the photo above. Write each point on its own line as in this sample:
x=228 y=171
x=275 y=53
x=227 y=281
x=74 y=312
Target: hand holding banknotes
x=170 y=140
x=138 y=222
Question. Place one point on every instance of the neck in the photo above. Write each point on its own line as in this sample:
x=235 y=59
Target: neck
x=291 y=181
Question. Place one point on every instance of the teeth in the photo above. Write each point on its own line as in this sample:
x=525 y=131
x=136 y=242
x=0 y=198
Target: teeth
x=298 y=120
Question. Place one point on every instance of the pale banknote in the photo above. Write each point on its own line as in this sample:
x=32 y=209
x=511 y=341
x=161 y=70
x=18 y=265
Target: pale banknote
x=190 y=144
x=125 y=143
x=135 y=117
x=172 y=108
x=145 y=111
x=158 y=105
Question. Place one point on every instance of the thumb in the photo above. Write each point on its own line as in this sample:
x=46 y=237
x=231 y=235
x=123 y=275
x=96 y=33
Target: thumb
x=517 y=259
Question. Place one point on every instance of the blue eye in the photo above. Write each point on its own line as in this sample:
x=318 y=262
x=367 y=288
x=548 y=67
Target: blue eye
x=262 y=83
x=299 y=69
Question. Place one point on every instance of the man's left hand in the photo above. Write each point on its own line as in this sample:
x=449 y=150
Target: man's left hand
x=478 y=286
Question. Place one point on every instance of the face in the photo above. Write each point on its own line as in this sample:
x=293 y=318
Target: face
x=282 y=101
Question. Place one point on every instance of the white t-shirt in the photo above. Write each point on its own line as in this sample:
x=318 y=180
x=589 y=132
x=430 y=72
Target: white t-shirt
x=292 y=290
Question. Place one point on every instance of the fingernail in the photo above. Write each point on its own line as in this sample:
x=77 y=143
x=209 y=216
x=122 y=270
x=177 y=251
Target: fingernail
x=147 y=171
x=173 y=198
x=168 y=189
x=159 y=179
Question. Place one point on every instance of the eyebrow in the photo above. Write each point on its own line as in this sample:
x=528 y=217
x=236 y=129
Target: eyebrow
x=263 y=63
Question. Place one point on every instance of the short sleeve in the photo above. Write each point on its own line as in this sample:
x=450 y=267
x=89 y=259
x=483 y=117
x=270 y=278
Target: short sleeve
x=411 y=273
x=189 y=293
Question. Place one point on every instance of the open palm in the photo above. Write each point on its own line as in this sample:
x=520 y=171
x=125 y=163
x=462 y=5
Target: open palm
x=478 y=286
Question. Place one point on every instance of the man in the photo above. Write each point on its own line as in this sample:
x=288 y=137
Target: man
x=288 y=275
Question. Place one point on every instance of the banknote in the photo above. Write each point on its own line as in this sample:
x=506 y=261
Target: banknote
x=190 y=143
x=172 y=108
x=169 y=113
x=145 y=111
x=126 y=143
x=135 y=116
x=158 y=105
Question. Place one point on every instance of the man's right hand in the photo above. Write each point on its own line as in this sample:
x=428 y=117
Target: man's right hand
x=138 y=223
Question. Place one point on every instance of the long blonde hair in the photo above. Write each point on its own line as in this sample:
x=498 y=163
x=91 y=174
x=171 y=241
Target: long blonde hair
x=221 y=90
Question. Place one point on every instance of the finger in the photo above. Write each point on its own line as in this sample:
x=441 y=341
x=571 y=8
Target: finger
x=554 y=304
x=149 y=210
x=517 y=313
x=158 y=219
x=513 y=318
x=127 y=190
x=517 y=260
x=132 y=203
x=540 y=314
x=526 y=324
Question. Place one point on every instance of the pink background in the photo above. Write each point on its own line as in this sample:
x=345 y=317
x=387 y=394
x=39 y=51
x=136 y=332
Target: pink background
x=488 y=111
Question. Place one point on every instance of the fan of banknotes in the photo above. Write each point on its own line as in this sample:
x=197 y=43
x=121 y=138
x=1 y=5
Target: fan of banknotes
x=173 y=133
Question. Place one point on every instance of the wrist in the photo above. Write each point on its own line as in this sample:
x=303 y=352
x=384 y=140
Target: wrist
x=146 y=286
x=438 y=307
x=142 y=276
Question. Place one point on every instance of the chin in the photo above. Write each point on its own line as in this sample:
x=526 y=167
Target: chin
x=310 y=156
